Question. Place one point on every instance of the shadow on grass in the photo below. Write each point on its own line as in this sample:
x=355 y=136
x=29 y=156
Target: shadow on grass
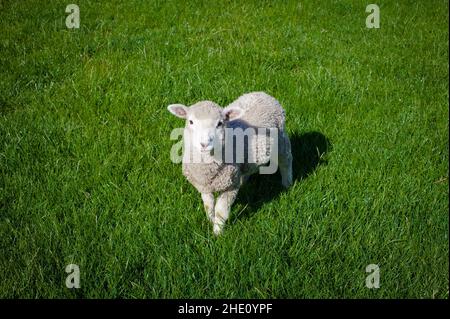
x=308 y=151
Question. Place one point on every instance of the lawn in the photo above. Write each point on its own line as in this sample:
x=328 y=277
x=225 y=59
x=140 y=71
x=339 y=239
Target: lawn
x=85 y=170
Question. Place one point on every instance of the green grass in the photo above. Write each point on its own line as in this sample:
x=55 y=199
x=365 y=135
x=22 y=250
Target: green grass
x=84 y=149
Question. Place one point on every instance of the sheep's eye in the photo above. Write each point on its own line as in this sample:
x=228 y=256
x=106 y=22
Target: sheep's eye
x=219 y=124
x=190 y=122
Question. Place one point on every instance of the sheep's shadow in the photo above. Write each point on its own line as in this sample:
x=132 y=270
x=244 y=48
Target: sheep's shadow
x=308 y=151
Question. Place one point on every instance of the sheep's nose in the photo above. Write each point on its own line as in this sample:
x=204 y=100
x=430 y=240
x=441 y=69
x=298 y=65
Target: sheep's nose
x=204 y=144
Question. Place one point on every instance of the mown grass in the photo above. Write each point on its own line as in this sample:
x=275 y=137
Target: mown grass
x=86 y=176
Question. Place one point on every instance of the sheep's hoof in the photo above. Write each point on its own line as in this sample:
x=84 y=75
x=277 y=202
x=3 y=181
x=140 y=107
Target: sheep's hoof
x=287 y=183
x=218 y=229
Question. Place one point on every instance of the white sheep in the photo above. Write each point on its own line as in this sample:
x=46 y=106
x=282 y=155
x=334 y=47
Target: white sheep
x=204 y=139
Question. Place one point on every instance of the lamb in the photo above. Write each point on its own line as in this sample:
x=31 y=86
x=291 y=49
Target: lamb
x=204 y=138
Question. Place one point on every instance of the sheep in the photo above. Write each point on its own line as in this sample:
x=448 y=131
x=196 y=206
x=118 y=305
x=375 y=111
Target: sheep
x=204 y=137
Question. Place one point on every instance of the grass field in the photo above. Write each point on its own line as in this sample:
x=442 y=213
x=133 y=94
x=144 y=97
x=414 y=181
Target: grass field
x=86 y=176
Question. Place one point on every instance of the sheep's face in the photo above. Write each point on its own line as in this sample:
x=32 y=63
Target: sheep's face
x=205 y=123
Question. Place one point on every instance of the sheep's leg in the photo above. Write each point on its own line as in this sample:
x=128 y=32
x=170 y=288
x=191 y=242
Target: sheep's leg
x=285 y=163
x=208 y=203
x=244 y=179
x=222 y=209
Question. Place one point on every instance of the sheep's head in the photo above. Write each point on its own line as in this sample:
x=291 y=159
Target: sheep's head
x=205 y=123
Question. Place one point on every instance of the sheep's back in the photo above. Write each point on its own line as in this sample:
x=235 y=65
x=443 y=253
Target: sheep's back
x=261 y=110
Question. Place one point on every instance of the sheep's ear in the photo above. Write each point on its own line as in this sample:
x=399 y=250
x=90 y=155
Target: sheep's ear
x=232 y=113
x=178 y=110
